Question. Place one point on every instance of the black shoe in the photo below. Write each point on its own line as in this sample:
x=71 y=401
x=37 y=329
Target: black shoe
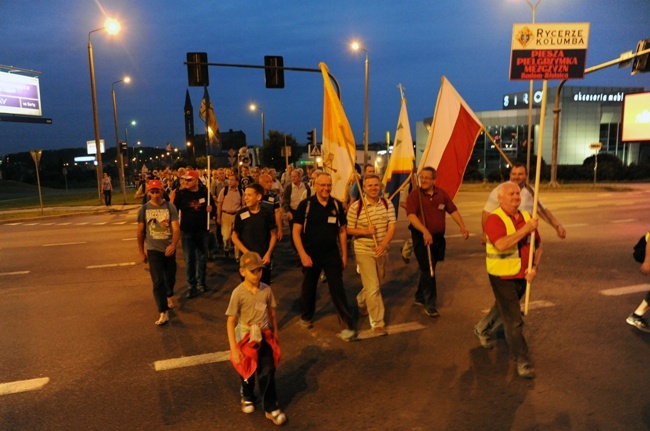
x=432 y=313
x=192 y=292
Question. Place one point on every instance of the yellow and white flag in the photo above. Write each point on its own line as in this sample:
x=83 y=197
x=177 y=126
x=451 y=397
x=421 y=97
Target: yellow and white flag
x=213 y=127
x=339 y=150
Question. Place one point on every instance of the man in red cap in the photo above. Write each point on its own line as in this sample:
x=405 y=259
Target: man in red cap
x=158 y=228
x=192 y=202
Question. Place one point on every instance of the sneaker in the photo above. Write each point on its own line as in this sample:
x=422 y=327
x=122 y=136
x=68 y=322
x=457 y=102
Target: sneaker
x=525 y=370
x=348 y=335
x=432 y=313
x=639 y=322
x=276 y=416
x=247 y=406
x=379 y=330
x=201 y=288
x=483 y=339
x=306 y=324
x=363 y=311
x=419 y=302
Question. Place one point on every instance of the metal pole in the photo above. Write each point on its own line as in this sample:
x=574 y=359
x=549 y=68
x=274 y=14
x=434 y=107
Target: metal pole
x=120 y=156
x=530 y=100
x=98 y=153
x=365 y=125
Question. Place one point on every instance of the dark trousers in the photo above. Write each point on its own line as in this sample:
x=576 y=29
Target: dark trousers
x=507 y=294
x=163 y=274
x=266 y=379
x=195 y=251
x=107 y=197
x=427 y=292
x=333 y=268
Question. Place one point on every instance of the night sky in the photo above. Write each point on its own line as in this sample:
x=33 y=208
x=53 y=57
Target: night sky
x=409 y=42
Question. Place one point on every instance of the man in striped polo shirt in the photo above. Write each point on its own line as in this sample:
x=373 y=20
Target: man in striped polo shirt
x=371 y=221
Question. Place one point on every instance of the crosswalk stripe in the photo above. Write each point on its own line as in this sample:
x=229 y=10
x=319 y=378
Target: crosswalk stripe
x=392 y=329
x=110 y=265
x=14 y=273
x=626 y=290
x=23 y=385
x=190 y=361
x=625 y=220
x=63 y=243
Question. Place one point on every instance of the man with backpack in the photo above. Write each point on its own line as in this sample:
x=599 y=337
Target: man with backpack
x=371 y=220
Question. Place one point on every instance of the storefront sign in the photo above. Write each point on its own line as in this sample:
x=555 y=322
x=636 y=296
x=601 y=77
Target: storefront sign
x=548 y=51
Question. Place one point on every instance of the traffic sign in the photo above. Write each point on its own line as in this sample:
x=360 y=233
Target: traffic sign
x=596 y=146
x=314 y=151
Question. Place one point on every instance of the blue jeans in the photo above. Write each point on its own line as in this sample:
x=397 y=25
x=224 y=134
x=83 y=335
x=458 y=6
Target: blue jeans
x=195 y=251
x=163 y=275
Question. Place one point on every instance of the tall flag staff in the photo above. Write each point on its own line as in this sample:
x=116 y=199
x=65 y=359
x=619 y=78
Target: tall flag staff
x=211 y=135
x=338 y=141
x=399 y=170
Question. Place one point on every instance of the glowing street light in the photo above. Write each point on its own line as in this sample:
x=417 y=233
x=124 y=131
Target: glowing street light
x=253 y=107
x=120 y=155
x=356 y=46
x=112 y=27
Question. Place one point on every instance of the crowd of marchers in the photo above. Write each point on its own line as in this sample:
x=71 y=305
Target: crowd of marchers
x=241 y=213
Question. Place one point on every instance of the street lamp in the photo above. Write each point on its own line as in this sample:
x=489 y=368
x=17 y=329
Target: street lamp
x=120 y=155
x=356 y=47
x=253 y=107
x=112 y=27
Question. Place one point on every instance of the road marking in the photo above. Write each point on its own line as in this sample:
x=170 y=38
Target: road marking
x=626 y=290
x=129 y=239
x=64 y=224
x=31 y=224
x=47 y=224
x=81 y=224
x=63 y=243
x=392 y=329
x=190 y=361
x=23 y=385
x=110 y=265
x=101 y=223
x=14 y=273
x=13 y=224
x=625 y=220
x=120 y=222
x=532 y=305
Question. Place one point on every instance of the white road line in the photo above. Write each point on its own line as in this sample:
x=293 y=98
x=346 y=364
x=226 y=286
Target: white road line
x=626 y=290
x=119 y=222
x=81 y=224
x=190 y=361
x=392 y=329
x=14 y=273
x=625 y=220
x=99 y=224
x=129 y=239
x=13 y=224
x=64 y=224
x=23 y=385
x=31 y=224
x=110 y=265
x=63 y=243
x=47 y=224
x=532 y=305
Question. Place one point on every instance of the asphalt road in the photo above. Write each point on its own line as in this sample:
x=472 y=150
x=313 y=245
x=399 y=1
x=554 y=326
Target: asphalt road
x=77 y=328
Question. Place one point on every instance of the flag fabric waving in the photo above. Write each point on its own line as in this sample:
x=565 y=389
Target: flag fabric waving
x=400 y=165
x=338 y=145
x=451 y=139
x=213 y=127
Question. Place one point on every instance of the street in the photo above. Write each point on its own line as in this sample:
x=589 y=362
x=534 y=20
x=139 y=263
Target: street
x=78 y=330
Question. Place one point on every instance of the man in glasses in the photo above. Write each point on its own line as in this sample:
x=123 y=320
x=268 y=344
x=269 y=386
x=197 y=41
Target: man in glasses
x=192 y=202
x=158 y=228
x=319 y=230
x=426 y=207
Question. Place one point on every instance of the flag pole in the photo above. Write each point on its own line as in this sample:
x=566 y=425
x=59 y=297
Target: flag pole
x=536 y=196
x=431 y=272
x=208 y=105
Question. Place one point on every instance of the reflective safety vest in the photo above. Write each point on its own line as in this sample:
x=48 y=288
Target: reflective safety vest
x=506 y=262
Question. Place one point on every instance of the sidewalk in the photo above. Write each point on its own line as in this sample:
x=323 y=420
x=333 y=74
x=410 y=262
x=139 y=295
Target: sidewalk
x=22 y=214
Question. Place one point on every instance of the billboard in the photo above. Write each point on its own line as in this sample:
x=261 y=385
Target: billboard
x=636 y=117
x=548 y=51
x=19 y=95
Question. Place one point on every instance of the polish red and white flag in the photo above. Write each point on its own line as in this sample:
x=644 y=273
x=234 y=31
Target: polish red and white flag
x=451 y=139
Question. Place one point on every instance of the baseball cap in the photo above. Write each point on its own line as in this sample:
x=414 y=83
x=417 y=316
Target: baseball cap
x=250 y=261
x=190 y=175
x=154 y=184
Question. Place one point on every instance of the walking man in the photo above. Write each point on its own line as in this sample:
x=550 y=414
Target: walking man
x=158 y=229
x=507 y=255
x=318 y=233
x=192 y=202
x=426 y=208
x=372 y=233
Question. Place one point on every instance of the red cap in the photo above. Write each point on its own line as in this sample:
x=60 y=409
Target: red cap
x=154 y=184
x=189 y=175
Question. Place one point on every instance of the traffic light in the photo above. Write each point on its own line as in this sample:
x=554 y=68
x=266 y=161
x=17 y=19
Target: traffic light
x=641 y=64
x=123 y=147
x=197 y=74
x=273 y=72
x=311 y=137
